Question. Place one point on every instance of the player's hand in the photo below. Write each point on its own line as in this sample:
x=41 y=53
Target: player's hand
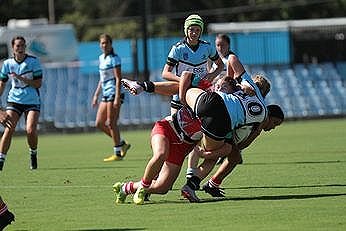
x=94 y=102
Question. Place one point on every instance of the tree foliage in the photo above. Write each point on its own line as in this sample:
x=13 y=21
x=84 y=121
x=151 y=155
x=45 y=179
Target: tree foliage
x=123 y=19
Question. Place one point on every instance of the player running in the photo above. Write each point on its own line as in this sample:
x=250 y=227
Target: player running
x=25 y=73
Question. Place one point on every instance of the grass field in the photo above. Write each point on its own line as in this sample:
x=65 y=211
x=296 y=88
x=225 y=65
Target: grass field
x=293 y=178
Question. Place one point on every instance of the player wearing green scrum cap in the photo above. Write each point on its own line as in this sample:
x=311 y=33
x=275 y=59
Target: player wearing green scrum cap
x=192 y=54
x=193 y=20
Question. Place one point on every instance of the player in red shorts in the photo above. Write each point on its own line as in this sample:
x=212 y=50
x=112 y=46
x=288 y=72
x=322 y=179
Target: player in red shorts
x=171 y=141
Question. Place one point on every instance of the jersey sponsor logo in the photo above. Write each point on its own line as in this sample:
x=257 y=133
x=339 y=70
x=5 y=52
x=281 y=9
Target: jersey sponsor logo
x=255 y=108
x=199 y=71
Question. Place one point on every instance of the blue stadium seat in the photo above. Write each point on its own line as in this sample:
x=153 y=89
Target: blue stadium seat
x=341 y=69
x=315 y=71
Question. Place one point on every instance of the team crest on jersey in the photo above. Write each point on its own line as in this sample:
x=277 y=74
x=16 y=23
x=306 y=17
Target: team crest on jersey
x=255 y=108
x=185 y=56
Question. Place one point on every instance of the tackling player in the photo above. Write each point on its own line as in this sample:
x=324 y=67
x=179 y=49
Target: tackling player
x=241 y=138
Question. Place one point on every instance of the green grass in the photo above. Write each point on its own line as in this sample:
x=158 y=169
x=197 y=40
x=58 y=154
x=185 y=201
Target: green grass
x=293 y=178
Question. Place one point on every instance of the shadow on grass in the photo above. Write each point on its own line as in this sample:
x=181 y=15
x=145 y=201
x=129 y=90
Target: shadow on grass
x=263 y=198
x=300 y=162
x=87 y=168
x=289 y=186
x=118 y=229
x=273 y=197
x=127 y=167
x=279 y=186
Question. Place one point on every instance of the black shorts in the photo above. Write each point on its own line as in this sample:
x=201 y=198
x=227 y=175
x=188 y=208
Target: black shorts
x=111 y=98
x=21 y=108
x=213 y=114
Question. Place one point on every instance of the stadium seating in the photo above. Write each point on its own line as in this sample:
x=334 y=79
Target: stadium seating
x=310 y=90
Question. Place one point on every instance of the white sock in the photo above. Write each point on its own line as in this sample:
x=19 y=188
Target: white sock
x=190 y=172
x=117 y=150
x=33 y=151
x=2 y=157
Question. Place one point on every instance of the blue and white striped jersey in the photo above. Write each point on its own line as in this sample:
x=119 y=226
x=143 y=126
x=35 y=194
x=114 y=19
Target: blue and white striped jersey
x=107 y=78
x=244 y=109
x=20 y=92
x=193 y=59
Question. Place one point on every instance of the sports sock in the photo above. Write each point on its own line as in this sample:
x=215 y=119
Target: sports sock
x=191 y=179
x=214 y=182
x=2 y=160
x=145 y=183
x=32 y=151
x=190 y=172
x=2 y=157
x=3 y=206
x=128 y=188
x=117 y=150
x=193 y=182
x=148 y=86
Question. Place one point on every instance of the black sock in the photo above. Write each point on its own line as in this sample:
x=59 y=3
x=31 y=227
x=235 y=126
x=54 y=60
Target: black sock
x=193 y=182
x=148 y=86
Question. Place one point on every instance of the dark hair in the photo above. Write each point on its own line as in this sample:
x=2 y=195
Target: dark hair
x=275 y=110
x=17 y=38
x=224 y=37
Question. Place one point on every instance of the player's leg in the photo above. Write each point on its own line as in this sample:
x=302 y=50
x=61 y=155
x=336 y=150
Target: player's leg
x=123 y=144
x=167 y=176
x=163 y=88
x=160 y=146
x=191 y=97
x=213 y=185
x=32 y=118
x=112 y=115
x=6 y=217
x=6 y=138
x=194 y=175
x=101 y=117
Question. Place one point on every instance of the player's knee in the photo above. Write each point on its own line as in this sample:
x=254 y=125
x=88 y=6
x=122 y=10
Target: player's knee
x=99 y=124
x=160 y=156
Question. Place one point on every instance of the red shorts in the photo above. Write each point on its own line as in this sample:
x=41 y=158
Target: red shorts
x=178 y=149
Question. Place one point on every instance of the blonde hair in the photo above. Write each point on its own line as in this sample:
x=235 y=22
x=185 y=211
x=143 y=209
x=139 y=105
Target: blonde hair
x=263 y=83
x=106 y=36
